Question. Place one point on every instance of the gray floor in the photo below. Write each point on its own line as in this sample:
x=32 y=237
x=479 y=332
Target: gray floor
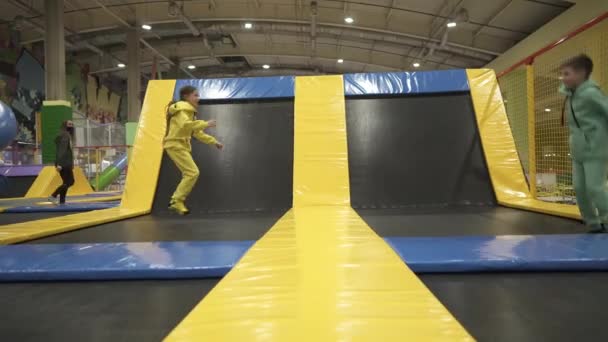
x=97 y=311
x=523 y=307
x=492 y=307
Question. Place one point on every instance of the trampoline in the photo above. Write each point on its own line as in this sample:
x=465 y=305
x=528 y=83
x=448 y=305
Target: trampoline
x=449 y=195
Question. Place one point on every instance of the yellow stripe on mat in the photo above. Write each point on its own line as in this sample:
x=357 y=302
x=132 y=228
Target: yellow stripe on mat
x=141 y=180
x=508 y=179
x=320 y=273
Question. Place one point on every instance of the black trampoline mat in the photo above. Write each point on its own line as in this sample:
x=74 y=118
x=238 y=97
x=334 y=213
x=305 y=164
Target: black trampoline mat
x=150 y=228
x=254 y=171
x=459 y=221
x=10 y=218
x=415 y=150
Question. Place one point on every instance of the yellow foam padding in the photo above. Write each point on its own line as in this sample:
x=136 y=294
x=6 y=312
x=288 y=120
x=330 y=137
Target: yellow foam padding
x=147 y=151
x=320 y=273
x=503 y=162
x=48 y=180
x=141 y=180
x=320 y=150
x=19 y=232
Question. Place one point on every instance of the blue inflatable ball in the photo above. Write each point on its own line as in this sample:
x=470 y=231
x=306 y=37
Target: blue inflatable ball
x=8 y=125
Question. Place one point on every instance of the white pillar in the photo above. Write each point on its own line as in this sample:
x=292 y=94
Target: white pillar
x=133 y=75
x=54 y=51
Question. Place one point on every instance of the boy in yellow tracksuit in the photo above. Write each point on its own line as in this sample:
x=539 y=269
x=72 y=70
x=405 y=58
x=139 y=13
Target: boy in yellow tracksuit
x=181 y=126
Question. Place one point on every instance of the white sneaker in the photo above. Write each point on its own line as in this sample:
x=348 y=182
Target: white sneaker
x=54 y=200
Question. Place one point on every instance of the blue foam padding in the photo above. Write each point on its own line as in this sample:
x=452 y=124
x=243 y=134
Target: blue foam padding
x=510 y=253
x=67 y=207
x=240 y=88
x=393 y=83
x=113 y=261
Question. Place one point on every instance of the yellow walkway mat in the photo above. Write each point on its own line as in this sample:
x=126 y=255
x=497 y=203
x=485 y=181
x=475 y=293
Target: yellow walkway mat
x=19 y=232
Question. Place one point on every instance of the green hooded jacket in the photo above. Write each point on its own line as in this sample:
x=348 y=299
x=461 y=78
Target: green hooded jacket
x=586 y=109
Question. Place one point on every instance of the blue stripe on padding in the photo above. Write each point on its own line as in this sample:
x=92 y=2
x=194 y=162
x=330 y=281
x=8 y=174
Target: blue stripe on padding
x=394 y=83
x=112 y=261
x=67 y=207
x=511 y=253
x=240 y=88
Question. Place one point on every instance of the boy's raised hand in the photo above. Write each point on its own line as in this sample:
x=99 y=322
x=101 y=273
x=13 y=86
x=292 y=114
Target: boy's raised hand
x=219 y=145
x=211 y=123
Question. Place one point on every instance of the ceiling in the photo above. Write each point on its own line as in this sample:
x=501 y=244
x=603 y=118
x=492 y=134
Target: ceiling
x=290 y=36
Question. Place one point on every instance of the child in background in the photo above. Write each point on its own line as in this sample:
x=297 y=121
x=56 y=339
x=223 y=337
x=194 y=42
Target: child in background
x=586 y=109
x=181 y=126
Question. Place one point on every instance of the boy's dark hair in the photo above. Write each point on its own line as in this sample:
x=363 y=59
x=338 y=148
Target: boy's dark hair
x=579 y=62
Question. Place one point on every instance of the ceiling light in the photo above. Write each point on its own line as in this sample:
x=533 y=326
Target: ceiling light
x=451 y=24
x=340 y=61
x=547 y=110
x=191 y=67
x=121 y=65
x=146 y=27
x=266 y=66
x=416 y=65
x=248 y=26
x=349 y=20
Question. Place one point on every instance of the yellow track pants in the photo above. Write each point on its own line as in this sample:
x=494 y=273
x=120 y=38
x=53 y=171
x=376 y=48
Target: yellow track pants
x=184 y=162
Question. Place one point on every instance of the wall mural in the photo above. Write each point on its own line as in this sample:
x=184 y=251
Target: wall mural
x=22 y=86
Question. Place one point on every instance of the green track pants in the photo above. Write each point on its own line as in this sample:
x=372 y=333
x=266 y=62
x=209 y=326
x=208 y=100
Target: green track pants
x=589 y=178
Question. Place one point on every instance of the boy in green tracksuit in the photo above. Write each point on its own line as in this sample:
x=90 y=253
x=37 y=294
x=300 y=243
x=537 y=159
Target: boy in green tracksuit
x=586 y=111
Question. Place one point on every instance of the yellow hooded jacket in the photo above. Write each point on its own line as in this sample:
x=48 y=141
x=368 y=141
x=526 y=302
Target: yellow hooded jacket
x=182 y=127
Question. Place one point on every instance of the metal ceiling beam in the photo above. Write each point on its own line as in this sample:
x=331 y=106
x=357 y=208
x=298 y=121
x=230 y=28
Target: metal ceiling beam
x=390 y=12
x=429 y=44
x=302 y=52
x=180 y=13
x=344 y=27
x=194 y=58
x=40 y=28
x=492 y=18
x=143 y=41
